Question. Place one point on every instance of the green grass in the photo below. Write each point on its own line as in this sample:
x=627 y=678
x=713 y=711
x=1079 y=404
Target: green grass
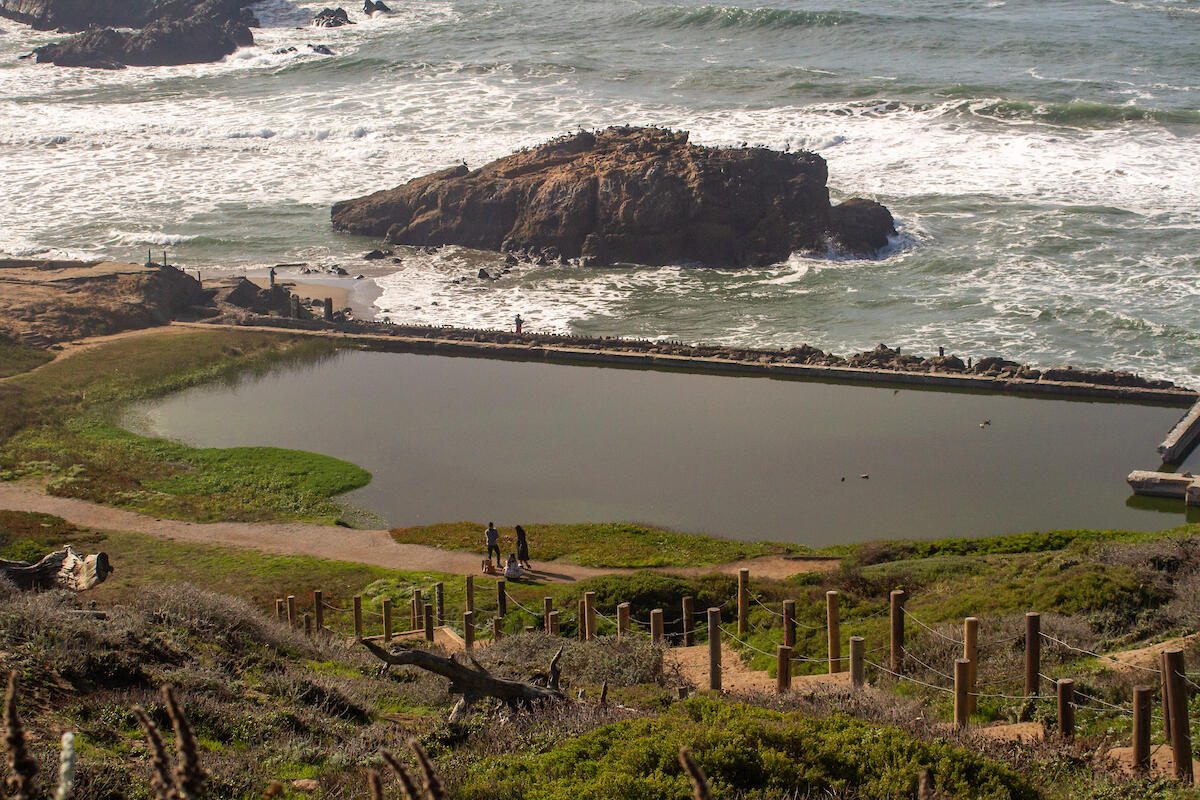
x=56 y=425
x=744 y=752
x=616 y=545
x=16 y=358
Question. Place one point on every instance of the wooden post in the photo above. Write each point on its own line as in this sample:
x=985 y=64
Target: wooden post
x=547 y=608
x=555 y=626
x=622 y=621
x=1066 y=709
x=1162 y=674
x=280 y=609
x=971 y=654
x=714 y=649
x=471 y=593
x=589 y=604
x=656 y=625
x=743 y=601
x=358 y=618
x=387 y=619
x=961 y=673
x=833 y=626
x=501 y=599
x=429 y=622
x=1033 y=652
x=497 y=629
x=857 y=657
x=689 y=620
x=418 y=606
x=897 y=632
x=789 y=623
x=1142 y=699
x=468 y=630
x=439 y=599
x=308 y=624
x=291 y=610
x=319 y=609
x=328 y=309
x=783 y=668
x=1181 y=735
x=582 y=616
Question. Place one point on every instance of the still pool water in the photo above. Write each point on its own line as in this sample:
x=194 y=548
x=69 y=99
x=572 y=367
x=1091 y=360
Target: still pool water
x=747 y=458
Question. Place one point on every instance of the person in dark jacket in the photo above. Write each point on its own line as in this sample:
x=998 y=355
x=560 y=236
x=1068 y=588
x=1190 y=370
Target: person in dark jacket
x=522 y=548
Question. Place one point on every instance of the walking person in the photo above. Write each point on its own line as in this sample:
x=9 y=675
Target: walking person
x=522 y=548
x=492 y=537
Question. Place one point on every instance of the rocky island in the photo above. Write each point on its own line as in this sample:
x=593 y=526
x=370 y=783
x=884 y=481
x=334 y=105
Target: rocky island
x=111 y=34
x=628 y=195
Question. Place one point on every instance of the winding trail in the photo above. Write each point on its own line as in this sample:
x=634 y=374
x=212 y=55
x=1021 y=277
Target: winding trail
x=374 y=547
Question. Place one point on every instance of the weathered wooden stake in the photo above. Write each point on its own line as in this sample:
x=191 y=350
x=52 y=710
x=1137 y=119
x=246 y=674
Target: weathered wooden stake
x=387 y=619
x=501 y=599
x=497 y=629
x=358 y=634
x=328 y=309
x=1166 y=698
x=280 y=609
x=897 y=631
x=743 y=601
x=961 y=677
x=555 y=625
x=689 y=614
x=469 y=630
x=308 y=625
x=656 y=625
x=418 y=605
x=833 y=626
x=1181 y=735
x=622 y=621
x=858 y=651
x=429 y=622
x=714 y=649
x=582 y=617
x=589 y=604
x=291 y=611
x=547 y=607
x=470 y=593
x=1066 y=709
x=783 y=668
x=1033 y=652
x=1143 y=697
x=439 y=600
x=319 y=609
x=971 y=654
x=789 y=623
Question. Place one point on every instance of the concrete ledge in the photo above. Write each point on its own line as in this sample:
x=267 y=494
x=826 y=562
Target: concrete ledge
x=1166 y=484
x=1182 y=438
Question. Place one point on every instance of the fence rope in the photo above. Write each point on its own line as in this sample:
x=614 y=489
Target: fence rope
x=910 y=680
x=517 y=603
x=931 y=630
x=909 y=654
x=1099 y=655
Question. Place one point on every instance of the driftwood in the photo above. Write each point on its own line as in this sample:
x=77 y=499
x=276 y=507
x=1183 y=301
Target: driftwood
x=61 y=570
x=475 y=684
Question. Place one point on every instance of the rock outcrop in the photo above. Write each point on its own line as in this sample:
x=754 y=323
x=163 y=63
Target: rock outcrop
x=165 y=32
x=332 y=18
x=637 y=195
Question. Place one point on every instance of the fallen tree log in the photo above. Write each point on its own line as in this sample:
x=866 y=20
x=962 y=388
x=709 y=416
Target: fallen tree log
x=62 y=570
x=475 y=684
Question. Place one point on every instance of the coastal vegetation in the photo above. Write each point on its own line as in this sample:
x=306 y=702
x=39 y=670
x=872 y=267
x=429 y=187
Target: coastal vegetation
x=57 y=424
x=602 y=544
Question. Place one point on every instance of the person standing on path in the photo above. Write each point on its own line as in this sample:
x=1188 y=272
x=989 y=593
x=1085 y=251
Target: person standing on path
x=492 y=536
x=522 y=548
x=519 y=322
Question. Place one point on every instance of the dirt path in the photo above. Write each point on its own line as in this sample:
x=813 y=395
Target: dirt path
x=1144 y=658
x=376 y=548
x=692 y=664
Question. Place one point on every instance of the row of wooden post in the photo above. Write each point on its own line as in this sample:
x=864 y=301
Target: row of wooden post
x=427 y=616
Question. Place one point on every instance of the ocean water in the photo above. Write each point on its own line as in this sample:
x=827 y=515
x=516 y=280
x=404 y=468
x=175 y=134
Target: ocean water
x=1042 y=158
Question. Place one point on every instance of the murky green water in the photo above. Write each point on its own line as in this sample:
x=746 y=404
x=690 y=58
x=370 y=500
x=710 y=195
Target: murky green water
x=749 y=458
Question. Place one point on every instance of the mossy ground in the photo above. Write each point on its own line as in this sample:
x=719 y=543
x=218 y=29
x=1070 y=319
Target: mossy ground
x=597 y=544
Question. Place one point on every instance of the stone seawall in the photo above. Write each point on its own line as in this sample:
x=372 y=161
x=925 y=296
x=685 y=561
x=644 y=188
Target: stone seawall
x=637 y=354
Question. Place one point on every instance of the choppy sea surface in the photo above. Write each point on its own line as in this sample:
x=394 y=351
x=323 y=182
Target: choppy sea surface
x=1042 y=158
